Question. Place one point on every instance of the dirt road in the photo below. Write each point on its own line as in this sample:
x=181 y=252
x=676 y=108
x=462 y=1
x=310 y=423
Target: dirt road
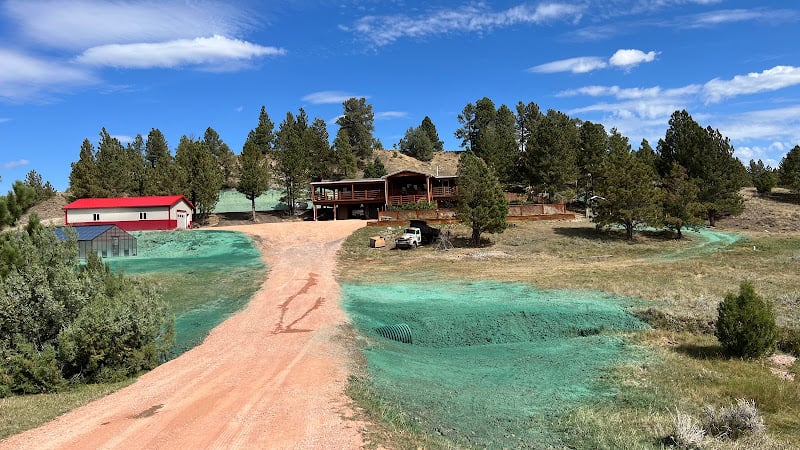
x=270 y=377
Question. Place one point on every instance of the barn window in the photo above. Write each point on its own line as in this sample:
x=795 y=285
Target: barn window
x=96 y=216
x=142 y=216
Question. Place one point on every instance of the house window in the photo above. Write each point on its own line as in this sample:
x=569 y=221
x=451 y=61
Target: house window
x=96 y=217
x=142 y=216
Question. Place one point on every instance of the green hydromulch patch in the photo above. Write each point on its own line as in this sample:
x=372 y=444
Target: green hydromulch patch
x=491 y=364
x=203 y=275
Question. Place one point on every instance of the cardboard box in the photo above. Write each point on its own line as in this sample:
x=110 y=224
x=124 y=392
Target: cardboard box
x=377 y=241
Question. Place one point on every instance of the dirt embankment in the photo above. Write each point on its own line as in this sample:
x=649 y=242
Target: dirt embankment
x=272 y=376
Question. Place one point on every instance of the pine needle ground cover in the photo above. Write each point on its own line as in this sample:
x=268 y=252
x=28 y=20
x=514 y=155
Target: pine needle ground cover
x=204 y=275
x=491 y=364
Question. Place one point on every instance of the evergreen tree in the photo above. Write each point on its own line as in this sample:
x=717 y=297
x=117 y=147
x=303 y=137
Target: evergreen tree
x=789 y=169
x=223 y=155
x=156 y=147
x=593 y=148
x=430 y=129
x=417 y=144
x=762 y=177
x=345 y=158
x=746 y=324
x=550 y=155
x=115 y=180
x=262 y=136
x=202 y=175
x=682 y=208
x=254 y=174
x=481 y=202
x=43 y=191
x=138 y=167
x=292 y=164
x=528 y=118
x=506 y=153
x=491 y=135
x=628 y=189
x=647 y=154
x=84 y=177
x=358 y=121
x=708 y=159
x=376 y=169
x=321 y=154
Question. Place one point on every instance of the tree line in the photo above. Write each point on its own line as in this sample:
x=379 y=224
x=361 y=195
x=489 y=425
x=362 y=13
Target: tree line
x=690 y=177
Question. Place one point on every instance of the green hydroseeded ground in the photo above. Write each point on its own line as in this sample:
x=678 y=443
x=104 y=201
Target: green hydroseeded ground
x=230 y=200
x=492 y=364
x=203 y=275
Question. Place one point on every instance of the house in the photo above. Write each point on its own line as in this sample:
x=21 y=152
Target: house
x=366 y=197
x=166 y=212
x=104 y=240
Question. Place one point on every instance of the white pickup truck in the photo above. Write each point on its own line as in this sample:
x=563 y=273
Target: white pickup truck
x=411 y=238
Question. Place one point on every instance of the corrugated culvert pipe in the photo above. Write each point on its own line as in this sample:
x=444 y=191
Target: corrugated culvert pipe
x=398 y=332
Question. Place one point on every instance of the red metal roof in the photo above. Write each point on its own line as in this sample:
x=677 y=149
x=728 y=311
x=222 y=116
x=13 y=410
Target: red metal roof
x=128 y=202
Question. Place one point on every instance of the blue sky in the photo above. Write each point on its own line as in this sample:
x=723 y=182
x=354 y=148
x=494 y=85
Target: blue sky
x=69 y=68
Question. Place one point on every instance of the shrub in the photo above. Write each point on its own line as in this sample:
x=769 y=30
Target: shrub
x=686 y=433
x=734 y=421
x=789 y=341
x=746 y=324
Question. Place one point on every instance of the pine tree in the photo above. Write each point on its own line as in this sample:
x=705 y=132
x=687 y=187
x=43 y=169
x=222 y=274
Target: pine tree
x=203 y=175
x=84 y=177
x=156 y=147
x=430 y=129
x=481 y=202
x=528 y=118
x=292 y=164
x=682 y=208
x=345 y=158
x=789 y=169
x=417 y=144
x=358 y=121
x=763 y=177
x=376 y=169
x=222 y=154
x=550 y=155
x=254 y=174
x=322 y=156
x=593 y=149
x=628 y=189
x=262 y=136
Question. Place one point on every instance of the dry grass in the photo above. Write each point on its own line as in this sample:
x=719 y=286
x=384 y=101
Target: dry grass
x=24 y=412
x=679 y=278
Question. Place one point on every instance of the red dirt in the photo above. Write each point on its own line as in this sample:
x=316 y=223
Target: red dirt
x=272 y=376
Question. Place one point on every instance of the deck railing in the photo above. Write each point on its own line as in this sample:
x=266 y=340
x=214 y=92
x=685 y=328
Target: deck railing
x=444 y=191
x=370 y=194
x=406 y=199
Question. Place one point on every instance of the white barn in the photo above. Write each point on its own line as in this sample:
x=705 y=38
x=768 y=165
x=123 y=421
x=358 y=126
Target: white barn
x=167 y=212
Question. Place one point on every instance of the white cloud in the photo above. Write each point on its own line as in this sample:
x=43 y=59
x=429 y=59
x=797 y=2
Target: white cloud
x=206 y=52
x=580 y=64
x=769 y=80
x=14 y=164
x=390 y=115
x=777 y=124
x=24 y=77
x=628 y=58
x=80 y=24
x=326 y=97
x=624 y=58
x=383 y=30
x=725 y=16
x=123 y=138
